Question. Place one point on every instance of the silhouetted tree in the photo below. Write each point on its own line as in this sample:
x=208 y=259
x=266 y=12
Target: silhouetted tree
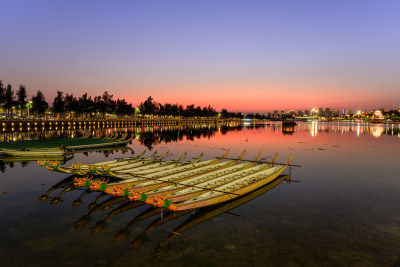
x=39 y=104
x=86 y=105
x=9 y=100
x=59 y=104
x=103 y=104
x=123 y=108
x=238 y=115
x=109 y=102
x=2 y=94
x=189 y=111
x=148 y=106
x=71 y=104
x=21 y=94
x=224 y=113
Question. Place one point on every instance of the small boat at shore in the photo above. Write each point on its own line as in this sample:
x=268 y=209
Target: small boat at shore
x=52 y=147
x=36 y=152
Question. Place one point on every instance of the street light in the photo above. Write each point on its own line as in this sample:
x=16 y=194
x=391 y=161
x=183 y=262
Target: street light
x=29 y=105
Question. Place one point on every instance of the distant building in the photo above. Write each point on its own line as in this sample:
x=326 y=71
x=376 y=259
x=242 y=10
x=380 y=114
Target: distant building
x=345 y=112
x=378 y=115
x=328 y=112
x=321 y=112
x=335 y=113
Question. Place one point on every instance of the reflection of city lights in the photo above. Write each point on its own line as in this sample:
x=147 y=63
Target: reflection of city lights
x=377 y=131
x=358 y=130
x=314 y=128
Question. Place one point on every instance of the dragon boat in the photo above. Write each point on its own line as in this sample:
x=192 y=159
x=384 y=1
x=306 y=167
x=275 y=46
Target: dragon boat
x=188 y=189
x=154 y=165
x=174 y=189
x=137 y=166
x=230 y=190
x=190 y=186
x=100 y=168
x=151 y=179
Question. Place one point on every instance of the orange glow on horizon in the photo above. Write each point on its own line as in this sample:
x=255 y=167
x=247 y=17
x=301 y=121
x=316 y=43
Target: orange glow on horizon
x=253 y=97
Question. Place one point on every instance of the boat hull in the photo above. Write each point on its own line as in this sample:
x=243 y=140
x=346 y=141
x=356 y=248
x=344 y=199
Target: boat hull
x=34 y=153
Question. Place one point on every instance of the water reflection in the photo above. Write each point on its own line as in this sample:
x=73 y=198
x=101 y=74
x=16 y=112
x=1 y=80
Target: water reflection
x=375 y=130
x=345 y=211
x=7 y=161
x=163 y=216
x=152 y=136
x=315 y=128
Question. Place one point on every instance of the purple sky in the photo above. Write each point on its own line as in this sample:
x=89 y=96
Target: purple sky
x=239 y=55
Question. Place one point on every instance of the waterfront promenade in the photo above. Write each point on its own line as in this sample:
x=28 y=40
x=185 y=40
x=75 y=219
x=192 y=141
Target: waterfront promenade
x=28 y=124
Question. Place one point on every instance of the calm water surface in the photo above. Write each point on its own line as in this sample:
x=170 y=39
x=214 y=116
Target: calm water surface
x=342 y=207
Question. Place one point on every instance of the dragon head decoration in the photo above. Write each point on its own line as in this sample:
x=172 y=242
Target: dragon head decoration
x=99 y=185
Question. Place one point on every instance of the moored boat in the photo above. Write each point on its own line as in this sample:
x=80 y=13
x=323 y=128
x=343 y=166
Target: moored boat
x=231 y=190
x=153 y=180
x=190 y=189
x=37 y=152
x=82 y=169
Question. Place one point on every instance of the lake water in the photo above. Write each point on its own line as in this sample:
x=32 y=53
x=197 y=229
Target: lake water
x=342 y=207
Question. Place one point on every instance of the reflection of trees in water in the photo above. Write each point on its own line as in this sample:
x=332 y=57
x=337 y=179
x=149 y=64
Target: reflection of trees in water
x=150 y=139
x=2 y=166
x=24 y=164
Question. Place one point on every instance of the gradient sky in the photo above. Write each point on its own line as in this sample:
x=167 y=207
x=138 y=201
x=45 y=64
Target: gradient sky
x=240 y=55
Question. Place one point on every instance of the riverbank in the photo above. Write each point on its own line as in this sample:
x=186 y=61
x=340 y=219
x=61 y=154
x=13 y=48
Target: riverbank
x=24 y=124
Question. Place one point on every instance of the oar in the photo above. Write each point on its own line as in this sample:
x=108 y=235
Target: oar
x=291 y=165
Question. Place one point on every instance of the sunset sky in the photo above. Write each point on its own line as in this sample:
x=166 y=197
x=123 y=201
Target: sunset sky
x=240 y=55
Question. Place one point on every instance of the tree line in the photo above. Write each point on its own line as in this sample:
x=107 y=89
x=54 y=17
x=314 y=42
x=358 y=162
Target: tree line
x=68 y=106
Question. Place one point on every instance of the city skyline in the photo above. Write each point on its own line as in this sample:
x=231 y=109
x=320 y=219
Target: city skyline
x=248 y=57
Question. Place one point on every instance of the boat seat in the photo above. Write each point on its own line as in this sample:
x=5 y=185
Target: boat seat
x=233 y=188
